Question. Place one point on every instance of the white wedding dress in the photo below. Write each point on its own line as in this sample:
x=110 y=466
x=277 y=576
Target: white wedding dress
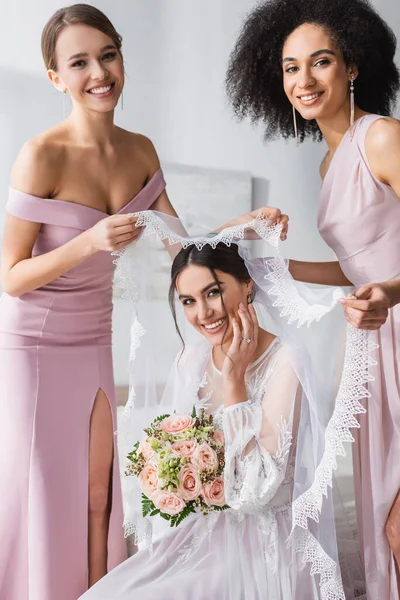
x=280 y=538
x=242 y=553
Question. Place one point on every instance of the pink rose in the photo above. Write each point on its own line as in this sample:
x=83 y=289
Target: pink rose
x=146 y=450
x=149 y=479
x=184 y=448
x=168 y=502
x=214 y=493
x=189 y=483
x=205 y=457
x=219 y=437
x=177 y=423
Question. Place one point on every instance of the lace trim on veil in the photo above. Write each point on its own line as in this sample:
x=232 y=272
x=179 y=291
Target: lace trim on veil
x=351 y=390
x=352 y=387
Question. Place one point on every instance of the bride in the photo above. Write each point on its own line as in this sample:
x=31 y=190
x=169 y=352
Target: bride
x=258 y=387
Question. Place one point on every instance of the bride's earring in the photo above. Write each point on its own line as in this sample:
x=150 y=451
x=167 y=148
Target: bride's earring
x=249 y=298
x=352 y=107
x=64 y=103
x=295 y=126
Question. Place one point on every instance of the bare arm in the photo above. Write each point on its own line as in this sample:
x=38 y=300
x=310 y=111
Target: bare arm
x=255 y=432
x=273 y=215
x=370 y=306
x=323 y=273
x=20 y=272
x=382 y=145
x=162 y=203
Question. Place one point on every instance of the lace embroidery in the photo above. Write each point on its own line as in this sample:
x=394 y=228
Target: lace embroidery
x=155 y=225
x=351 y=390
x=205 y=531
x=352 y=386
x=321 y=564
x=293 y=305
x=269 y=530
x=284 y=443
x=245 y=495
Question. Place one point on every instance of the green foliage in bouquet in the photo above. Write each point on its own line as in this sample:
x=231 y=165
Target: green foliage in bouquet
x=158 y=445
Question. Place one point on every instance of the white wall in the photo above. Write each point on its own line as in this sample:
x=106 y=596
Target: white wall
x=176 y=54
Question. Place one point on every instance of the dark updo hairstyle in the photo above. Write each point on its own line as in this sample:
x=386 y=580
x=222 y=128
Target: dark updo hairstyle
x=221 y=258
x=77 y=14
x=255 y=79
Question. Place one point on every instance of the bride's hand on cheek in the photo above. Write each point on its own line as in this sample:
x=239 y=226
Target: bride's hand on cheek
x=240 y=354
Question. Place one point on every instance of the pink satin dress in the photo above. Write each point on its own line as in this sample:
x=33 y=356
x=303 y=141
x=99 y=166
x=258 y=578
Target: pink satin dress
x=359 y=217
x=55 y=354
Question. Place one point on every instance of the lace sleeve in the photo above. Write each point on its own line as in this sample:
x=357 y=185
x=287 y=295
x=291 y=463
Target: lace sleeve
x=258 y=438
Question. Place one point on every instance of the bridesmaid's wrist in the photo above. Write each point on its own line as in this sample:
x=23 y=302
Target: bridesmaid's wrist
x=88 y=247
x=393 y=289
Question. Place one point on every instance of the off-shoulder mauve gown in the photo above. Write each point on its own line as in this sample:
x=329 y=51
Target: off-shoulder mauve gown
x=55 y=354
x=359 y=217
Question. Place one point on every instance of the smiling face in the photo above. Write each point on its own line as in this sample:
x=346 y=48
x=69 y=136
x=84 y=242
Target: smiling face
x=89 y=67
x=200 y=295
x=315 y=77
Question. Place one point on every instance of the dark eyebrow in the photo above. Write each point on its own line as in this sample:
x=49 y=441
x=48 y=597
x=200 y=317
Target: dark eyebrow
x=209 y=286
x=84 y=54
x=323 y=51
x=108 y=47
x=313 y=55
x=79 y=55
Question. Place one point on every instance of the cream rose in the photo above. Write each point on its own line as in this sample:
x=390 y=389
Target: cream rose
x=177 y=423
x=146 y=450
x=214 y=493
x=168 y=502
x=219 y=437
x=189 y=483
x=184 y=448
x=149 y=479
x=204 y=457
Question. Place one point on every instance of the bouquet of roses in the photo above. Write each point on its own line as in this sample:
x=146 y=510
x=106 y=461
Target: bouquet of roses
x=180 y=466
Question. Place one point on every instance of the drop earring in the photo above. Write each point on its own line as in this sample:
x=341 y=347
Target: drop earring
x=122 y=100
x=64 y=103
x=295 y=126
x=352 y=107
x=249 y=298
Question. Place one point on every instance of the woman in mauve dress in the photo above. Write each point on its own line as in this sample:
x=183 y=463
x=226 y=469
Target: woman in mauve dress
x=326 y=70
x=72 y=191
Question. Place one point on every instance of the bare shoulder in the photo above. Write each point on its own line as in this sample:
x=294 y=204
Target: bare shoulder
x=381 y=135
x=144 y=142
x=142 y=148
x=37 y=167
x=382 y=146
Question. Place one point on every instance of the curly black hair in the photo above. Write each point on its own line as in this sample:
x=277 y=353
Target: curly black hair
x=255 y=80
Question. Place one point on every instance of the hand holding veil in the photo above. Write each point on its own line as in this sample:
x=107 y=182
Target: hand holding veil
x=282 y=444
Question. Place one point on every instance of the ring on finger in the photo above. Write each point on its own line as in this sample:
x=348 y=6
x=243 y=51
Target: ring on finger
x=247 y=340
